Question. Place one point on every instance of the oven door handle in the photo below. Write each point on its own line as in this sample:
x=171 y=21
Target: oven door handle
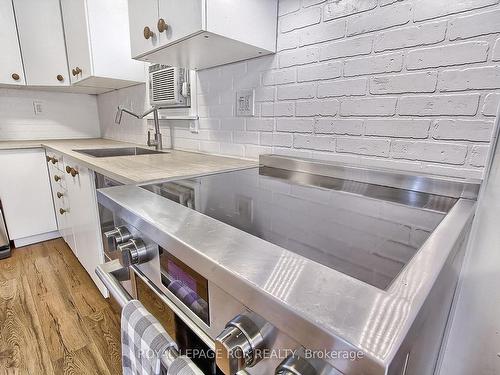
x=111 y=273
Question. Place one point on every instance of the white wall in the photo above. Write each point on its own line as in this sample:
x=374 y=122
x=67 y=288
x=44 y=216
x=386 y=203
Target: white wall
x=405 y=84
x=64 y=115
x=130 y=128
x=473 y=343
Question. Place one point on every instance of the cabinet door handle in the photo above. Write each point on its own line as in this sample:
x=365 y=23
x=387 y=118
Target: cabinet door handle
x=15 y=76
x=62 y=211
x=76 y=71
x=73 y=172
x=68 y=169
x=60 y=78
x=57 y=178
x=162 y=25
x=54 y=160
x=148 y=33
x=59 y=195
x=48 y=158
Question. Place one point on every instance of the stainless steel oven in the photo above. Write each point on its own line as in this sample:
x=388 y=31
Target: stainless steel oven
x=296 y=266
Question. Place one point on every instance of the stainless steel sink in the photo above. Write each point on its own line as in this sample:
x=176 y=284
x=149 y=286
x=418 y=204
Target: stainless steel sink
x=120 y=151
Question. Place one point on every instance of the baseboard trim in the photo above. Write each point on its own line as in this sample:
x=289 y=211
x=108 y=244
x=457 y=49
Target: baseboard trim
x=36 y=238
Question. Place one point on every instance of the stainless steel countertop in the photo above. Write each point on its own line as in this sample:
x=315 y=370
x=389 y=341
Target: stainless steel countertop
x=344 y=313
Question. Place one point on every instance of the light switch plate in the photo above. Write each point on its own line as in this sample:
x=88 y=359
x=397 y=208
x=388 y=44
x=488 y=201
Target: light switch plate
x=37 y=107
x=245 y=103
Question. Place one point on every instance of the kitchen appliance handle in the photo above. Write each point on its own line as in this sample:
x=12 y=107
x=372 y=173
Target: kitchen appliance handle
x=110 y=274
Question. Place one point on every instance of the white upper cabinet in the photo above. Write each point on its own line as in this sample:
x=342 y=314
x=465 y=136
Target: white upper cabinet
x=199 y=34
x=11 y=64
x=98 y=51
x=179 y=19
x=77 y=39
x=41 y=38
x=143 y=18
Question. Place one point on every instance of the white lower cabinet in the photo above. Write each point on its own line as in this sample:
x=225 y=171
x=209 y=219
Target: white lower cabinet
x=26 y=196
x=75 y=203
x=84 y=218
x=61 y=203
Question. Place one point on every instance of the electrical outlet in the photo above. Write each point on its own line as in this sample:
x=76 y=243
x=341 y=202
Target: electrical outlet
x=37 y=107
x=194 y=126
x=245 y=103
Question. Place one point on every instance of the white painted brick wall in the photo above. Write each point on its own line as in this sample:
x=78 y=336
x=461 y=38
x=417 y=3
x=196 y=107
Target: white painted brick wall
x=439 y=105
x=382 y=18
x=407 y=84
x=400 y=128
x=402 y=83
x=427 y=151
x=428 y=33
x=427 y=9
x=392 y=62
x=487 y=77
x=453 y=54
x=491 y=103
x=496 y=52
x=467 y=130
x=474 y=25
x=344 y=87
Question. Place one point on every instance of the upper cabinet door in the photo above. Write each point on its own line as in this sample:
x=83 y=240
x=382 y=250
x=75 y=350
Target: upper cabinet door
x=143 y=26
x=42 y=42
x=74 y=13
x=11 y=65
x=179 y=19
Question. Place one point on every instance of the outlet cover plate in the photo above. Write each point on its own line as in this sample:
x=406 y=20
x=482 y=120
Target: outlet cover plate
x=245 y=103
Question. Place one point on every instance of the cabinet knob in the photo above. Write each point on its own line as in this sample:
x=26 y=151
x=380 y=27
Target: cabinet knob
x=54 y=160
x=57 y=178
x=62 y=211
x=73 y=172
x=68 y=169
x=76 y=71
x=148 y=33
x=48 y=158
x=59 y=195
x=15 y=76
x=60 y=78
x=162 y=25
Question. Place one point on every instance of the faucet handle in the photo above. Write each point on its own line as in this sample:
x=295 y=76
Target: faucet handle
x=149 y=138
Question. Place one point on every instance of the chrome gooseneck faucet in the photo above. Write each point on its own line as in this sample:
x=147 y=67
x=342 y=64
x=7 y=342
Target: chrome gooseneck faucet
x=157 y=142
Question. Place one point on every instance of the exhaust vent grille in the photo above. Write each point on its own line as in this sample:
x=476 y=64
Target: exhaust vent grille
x=164 y=85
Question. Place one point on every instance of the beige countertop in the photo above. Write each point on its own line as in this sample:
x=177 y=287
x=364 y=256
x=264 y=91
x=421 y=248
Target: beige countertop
x=136 y=169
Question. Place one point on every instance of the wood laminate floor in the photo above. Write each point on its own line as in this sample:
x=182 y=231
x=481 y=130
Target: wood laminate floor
x=53 y=319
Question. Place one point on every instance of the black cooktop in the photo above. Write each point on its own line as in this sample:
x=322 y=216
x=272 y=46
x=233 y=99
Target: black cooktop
x=369 y=232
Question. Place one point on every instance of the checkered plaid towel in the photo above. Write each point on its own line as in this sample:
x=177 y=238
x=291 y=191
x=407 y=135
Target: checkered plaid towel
x=182 y=365
x=144 y=341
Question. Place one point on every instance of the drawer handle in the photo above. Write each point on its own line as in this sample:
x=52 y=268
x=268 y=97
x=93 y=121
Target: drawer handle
x=57 y=178
x=162 y=25
x=72 y=171
x=148 y=33
x=62 y=211
x=59 y=195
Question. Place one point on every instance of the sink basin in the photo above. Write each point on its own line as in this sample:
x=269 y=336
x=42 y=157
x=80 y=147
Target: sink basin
x=121 y=151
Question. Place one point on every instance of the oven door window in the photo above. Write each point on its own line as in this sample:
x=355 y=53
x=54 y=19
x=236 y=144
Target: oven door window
x=186 y=284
